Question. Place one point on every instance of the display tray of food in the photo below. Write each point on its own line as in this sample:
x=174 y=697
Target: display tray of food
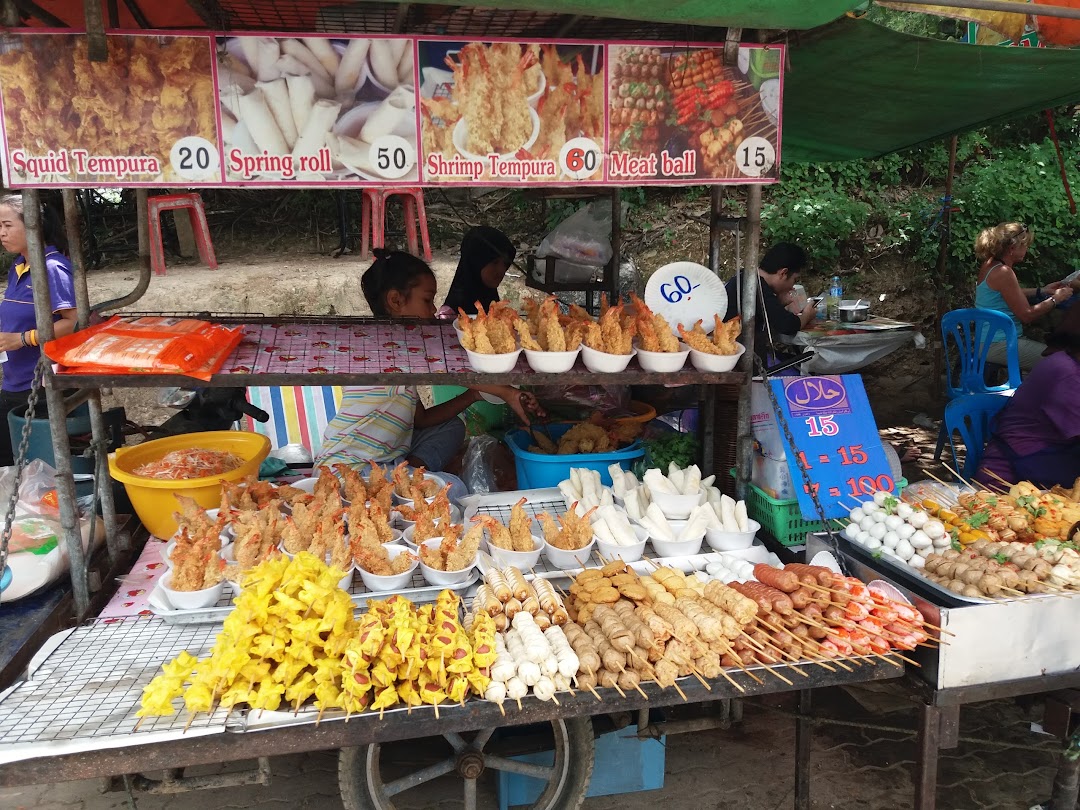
x=975 y=547
x=388 y=533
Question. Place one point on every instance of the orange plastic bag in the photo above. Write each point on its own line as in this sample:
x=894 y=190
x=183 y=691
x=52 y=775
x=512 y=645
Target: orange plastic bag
x=148 y=345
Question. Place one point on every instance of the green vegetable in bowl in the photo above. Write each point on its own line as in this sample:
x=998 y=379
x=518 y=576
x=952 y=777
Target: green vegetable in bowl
x=681 y=448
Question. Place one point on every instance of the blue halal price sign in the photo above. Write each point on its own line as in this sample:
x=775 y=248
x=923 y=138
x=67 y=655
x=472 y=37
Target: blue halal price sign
x=679 y=288
x=838 y=442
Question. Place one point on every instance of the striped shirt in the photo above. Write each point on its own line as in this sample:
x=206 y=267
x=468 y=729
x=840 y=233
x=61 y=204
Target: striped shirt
x=374 y=423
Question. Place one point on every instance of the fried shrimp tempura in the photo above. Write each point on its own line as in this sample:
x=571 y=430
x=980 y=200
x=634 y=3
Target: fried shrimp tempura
x=722 y=341
x=499 y=534
x=520 y=527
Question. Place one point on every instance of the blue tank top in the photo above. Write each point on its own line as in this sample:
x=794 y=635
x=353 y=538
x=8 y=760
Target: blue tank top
x=988 y=298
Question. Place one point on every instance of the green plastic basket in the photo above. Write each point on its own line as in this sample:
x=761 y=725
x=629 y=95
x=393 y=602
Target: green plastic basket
x=781 y=519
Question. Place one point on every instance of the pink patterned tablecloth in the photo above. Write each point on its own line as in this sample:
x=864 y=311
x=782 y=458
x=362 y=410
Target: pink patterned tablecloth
x=312 y=348
x=135 y=586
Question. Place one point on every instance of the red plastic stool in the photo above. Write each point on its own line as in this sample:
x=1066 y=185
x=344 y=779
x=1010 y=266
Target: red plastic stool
x=174 y=202
x=373 y=219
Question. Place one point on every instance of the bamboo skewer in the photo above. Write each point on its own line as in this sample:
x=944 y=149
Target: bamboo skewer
x=765 y=648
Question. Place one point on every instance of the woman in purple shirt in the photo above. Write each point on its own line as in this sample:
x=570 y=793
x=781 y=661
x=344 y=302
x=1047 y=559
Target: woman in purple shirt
x=18 y=332
x=1037 y=435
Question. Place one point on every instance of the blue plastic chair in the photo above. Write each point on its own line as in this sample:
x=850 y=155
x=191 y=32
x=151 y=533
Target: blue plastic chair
x=972 y=416
x=973 y=332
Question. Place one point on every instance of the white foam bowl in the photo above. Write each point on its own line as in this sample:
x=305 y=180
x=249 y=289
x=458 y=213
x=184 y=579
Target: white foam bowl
x=677 y=548
x=663 y=362
x=407 y=533
x=551 y=362
x=566 y=560
x=719 y=540
x=493 y=363
x=522 y=560
x=703 y=361
x=191 y=600
x=397 y=582
x=442 y=578
x=675 y=507
x=604 y=363
x=460 y=137
x=616 y=551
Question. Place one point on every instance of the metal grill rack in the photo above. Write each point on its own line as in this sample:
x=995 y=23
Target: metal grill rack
x=90 y=686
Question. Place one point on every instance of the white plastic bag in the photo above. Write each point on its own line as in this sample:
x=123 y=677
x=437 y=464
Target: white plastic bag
x=583 y=238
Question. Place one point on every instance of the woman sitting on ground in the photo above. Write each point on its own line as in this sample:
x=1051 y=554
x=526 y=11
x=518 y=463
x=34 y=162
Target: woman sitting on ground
x=1037 y=435
x=1000 y=248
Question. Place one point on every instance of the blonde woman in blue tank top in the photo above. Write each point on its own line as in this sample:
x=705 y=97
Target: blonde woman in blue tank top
x=999 y=249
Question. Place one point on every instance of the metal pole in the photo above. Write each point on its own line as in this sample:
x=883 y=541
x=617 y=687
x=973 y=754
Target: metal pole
x=715 y=198
x=98 y=431
x=942 y=261
x=142 y=216
x=1003 y=5
x=65 y=483
x=744 y=448
x=707 y=397
x=9 y=14
x=97 y=49
x=804 y=731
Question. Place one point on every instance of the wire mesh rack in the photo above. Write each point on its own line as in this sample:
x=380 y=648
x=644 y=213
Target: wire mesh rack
x=90 y=686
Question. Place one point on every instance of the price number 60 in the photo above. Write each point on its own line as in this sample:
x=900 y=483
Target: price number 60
x=678 y=289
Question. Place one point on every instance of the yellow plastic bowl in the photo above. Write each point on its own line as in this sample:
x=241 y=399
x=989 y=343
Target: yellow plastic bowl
x=153 y=498
x=642 y=412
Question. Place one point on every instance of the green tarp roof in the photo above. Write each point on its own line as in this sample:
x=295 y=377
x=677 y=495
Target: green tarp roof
x=776 y=14
x=854 y=89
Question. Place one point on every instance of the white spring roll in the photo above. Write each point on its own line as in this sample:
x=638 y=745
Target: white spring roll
x=676 y=477
x=256 y=115
x=384 y=57
x=249 y=47
x=575 y=481
x=298 y=50
x=741 y=518
x=603 y=531
x=230 y=87
x=228 y=124
x=405 y=73
x=301 y=99
x=606 y=498
x=289 y=66
x=691 y=480
x=277 y=99
x=351 y=153
x=267 y=52
x=313 y=138
x=235 y=64
x=656 y=482
x=568 y=493
x=325 y=53
x=658 y=521
x=708 y=480
x=347 y=77
x=394 y=110
x=727 y=514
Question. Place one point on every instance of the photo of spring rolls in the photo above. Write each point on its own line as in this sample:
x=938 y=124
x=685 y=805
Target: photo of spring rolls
x=309 y=109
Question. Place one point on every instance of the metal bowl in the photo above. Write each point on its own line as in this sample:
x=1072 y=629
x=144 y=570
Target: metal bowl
x=851 y=312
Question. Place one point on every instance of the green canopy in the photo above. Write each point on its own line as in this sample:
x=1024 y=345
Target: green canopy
x=854 y=89
x=775 y=14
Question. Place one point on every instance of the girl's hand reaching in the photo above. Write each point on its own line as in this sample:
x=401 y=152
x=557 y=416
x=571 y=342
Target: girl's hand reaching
x=522 y=402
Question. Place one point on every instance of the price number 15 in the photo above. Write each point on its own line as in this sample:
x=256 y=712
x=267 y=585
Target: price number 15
x=821 y=426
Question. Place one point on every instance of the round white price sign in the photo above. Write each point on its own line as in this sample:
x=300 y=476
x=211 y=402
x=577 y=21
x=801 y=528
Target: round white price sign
x=194 y=158
x=392 y=156
x=580 y=158
x=755 y=156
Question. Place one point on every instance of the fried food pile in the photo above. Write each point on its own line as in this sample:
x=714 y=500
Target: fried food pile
x=413 y=486
x=196 y=557
x=518 y=537
x=452 y=554
x=430 y=517
x=490 y=332
x=598 y=434
x=722 y=340
x=654 y=332
x=292 y=637
x=615 y=331
x=151 y=92
x=546 y=329
x=572 y=532
x=251 y=494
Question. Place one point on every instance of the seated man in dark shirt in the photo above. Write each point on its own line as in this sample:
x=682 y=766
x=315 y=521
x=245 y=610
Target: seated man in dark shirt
x=776 y=314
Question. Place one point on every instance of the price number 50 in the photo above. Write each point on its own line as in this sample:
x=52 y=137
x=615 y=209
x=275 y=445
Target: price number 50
x=392 y=156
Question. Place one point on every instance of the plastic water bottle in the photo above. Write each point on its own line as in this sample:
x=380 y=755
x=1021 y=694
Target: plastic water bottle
x=836 y=293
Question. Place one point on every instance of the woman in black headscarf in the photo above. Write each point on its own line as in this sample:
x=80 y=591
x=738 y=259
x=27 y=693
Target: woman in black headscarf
x=486 y=255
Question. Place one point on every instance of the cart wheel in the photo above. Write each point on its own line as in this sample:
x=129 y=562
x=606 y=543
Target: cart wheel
x=360 y=770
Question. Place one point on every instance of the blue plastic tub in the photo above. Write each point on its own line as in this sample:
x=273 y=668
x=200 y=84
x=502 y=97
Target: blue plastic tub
x=537 y=470
x=624 y=764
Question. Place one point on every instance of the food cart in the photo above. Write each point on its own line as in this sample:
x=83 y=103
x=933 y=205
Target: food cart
x=108 y=727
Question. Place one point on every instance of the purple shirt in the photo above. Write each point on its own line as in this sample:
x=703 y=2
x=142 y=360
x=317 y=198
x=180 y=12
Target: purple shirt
x=1043 y=413
x=17 y=313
